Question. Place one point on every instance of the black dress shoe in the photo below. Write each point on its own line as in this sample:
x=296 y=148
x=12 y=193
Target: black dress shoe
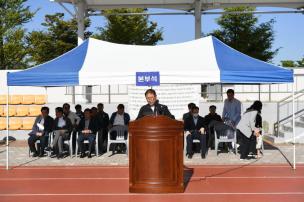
x=190 y=156
x=203 y=156
x=35 y=154
x=41 y=154
x=89 y=156
x=82 y=155
x=60 y=156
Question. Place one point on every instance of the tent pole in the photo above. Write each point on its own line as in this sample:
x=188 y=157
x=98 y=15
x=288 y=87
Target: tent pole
x=7 y=128
x=293 y=125
x=198 y=19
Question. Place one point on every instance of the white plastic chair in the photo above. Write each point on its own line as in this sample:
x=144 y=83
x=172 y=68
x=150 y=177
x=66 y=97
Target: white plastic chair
x=186 y=133
x=87 y=142
x=225 y=138
x=120 y=138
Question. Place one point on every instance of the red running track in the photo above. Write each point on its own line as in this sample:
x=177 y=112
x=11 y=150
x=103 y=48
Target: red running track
x=205 y=183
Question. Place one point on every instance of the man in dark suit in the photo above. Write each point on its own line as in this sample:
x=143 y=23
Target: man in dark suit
x=40 y=131
x=153 y=107
x=190 y=106
x=87 y=129
x=119 y=118
x=195 y=126
x=210 y=130
x=103 y=122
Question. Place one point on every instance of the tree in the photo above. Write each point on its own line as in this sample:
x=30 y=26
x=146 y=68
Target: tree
x=131 y=29
x=288 y=63
x=60 y=36
x=291 y=63
x=242 y=32
x=13 y=53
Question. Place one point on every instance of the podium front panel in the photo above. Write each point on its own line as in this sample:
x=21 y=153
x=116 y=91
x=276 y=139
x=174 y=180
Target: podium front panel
x=156 y=156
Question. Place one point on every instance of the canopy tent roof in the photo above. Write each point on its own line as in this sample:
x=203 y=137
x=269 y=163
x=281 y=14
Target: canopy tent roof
x=205 y=60
x=184 y=4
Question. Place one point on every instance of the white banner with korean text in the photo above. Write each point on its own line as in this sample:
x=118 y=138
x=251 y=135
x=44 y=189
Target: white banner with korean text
x=175 y=96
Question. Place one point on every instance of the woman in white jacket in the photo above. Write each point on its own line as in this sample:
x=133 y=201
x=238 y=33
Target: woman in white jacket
x=248 y=127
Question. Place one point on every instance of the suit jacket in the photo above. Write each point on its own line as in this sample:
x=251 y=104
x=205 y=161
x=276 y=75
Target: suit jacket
x=126 y=118
x=189 y=124
x=68 y=124
x=209 y=118
x=186 y=115
x=93 y=125
x=247 y=123
x=48 y=125
x=103 y=120
x=159 y=109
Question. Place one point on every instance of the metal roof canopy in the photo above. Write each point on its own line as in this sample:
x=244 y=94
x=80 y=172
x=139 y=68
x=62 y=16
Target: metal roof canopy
x=183 y=4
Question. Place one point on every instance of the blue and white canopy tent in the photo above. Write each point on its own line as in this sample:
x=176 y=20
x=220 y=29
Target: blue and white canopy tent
x=205 y=60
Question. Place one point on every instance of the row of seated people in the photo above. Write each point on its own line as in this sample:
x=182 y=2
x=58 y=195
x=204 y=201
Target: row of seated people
x=86 y=124
x=198 y=127
x=23 y=99
x=203 y=129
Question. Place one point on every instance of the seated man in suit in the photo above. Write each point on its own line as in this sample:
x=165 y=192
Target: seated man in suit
x=153 y=107
x=62 y=129
x=208 y=118
x=119 y=118
x=42 y=126
x=195 y=126
x=103 y=119
x=87 y=129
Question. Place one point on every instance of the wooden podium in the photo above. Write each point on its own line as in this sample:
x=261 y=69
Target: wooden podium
x=156 y=155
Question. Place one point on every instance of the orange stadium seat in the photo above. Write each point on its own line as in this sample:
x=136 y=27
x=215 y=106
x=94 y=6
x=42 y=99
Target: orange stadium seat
x=40 y=99
x=22 y=111
x=34 y=110
x=2 y=99
x=27 y=123
x=15 y=99
x=2 y=110
x=2 y=123
x=11 y=109
x=15 y=123
x=28 y=99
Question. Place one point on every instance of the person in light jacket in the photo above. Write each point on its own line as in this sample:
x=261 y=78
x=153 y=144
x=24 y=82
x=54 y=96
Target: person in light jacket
x=247 y=127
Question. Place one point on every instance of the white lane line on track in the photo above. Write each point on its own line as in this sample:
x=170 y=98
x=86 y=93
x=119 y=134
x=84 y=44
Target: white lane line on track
x=125 y=178
x=162 y=195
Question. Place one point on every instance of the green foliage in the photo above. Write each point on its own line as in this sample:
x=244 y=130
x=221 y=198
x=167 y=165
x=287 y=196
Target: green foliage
x=131 y=29
x=242 y=32
x=288 y=63
x=60 y=37
x=13 y=52
x=291 y=63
